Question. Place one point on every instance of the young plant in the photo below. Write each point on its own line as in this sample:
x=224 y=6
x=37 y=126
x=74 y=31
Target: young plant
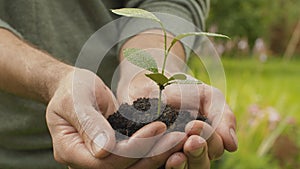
x=143 y=59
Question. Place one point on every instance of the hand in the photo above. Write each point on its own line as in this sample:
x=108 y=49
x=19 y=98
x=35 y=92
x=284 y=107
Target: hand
x=195 y=155
x=78 y=105
x=82 y=138
x=202 y=99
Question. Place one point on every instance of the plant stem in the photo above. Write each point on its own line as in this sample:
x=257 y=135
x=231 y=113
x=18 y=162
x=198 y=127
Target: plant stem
x=159 y=102
x=165 y=48
x=163 y=68
x=169 y=49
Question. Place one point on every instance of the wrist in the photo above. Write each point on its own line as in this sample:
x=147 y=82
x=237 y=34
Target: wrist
x=59 y=72
x=27 y=71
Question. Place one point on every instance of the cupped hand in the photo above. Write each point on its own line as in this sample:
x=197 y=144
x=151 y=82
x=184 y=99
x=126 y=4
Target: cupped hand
x=203 y=99
x=82 y=137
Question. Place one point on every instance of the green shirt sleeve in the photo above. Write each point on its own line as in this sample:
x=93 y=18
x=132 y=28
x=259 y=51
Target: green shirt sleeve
x=195 y=11
x=4 y=25
x=192 y=11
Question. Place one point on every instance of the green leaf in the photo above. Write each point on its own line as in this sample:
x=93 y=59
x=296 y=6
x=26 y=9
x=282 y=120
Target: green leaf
x=136 y=13
x=159 y=78
x=181 y=36
x=141 y=58
x=178 y=77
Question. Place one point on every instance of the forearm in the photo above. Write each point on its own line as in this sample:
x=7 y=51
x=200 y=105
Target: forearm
x=27 y=71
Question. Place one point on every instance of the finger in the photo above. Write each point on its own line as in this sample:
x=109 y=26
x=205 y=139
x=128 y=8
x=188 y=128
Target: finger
x=68 y=146
x=106 y=103
x=97 y=133
x=78 y=108
x=91 y=125
x=166 y=146
x=214 y=141
x=212 y=104
x=196 y=150
x=227 y=130
x=185 y=96
x=177 y=161
x=138 y=146
x=70 y=149
x=223 y=119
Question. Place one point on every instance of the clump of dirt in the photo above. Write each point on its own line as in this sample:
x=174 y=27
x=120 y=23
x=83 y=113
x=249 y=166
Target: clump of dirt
x=130 y=118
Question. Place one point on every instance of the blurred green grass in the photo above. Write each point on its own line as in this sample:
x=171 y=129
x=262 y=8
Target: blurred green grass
x=271 y=87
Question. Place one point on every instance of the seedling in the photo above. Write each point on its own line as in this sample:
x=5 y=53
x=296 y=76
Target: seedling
x=143 y=59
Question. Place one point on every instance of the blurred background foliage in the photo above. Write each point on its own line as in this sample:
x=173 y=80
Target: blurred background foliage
x=262 y=67
x=265 y=99
x=272 y=21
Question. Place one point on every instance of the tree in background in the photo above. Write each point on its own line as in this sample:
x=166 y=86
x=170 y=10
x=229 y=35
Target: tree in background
x=273 y=21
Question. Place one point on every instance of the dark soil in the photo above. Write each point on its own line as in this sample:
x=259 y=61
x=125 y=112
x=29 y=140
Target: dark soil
x=130 y=118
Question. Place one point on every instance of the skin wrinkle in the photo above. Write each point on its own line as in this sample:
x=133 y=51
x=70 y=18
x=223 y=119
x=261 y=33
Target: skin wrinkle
x=66 y=102
x=207 y=94
x=65 y=113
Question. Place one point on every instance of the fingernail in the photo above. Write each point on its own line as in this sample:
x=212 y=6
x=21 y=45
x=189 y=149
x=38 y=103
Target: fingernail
x=98 y=143
x=233 y=136
x=198 y=152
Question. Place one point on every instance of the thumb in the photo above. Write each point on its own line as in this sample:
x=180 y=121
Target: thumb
x=226 y=128
x=75 y=102
x=98 y=135
x=221 y=116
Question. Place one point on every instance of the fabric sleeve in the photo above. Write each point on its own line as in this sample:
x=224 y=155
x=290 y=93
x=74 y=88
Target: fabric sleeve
x=195 y=11
x=192 y=11
x=6 y=26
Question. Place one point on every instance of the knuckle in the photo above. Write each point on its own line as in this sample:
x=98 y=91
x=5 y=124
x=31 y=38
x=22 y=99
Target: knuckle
x=86 y=125
x=194 y=127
